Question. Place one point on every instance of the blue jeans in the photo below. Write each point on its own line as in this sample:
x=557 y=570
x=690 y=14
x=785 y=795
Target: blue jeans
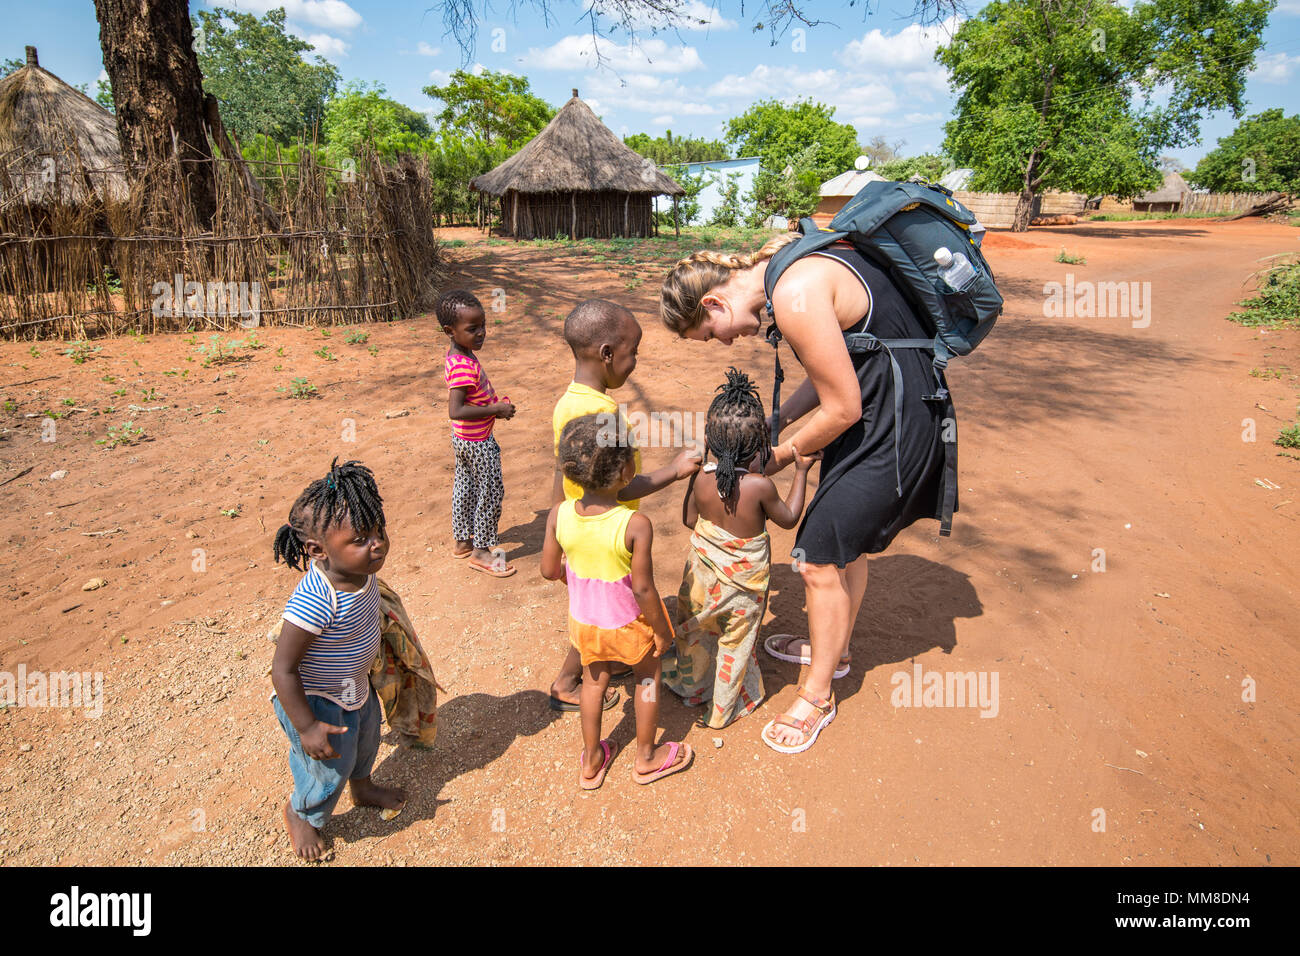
x=318 y=784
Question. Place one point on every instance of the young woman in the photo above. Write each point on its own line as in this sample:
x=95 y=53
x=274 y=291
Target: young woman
x=875 y=479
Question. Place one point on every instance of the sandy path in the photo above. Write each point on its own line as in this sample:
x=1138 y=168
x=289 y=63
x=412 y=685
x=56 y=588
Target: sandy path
x=1077 y=434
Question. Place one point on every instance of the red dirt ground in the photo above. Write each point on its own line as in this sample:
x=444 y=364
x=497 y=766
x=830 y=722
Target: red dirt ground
x=1119 y=691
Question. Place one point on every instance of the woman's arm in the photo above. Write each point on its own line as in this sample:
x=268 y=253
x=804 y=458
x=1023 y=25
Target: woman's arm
x=799 y=404
x=813 y=331
x=639 y=537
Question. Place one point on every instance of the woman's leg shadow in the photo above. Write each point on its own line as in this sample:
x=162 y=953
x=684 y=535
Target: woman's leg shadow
x=911 y=606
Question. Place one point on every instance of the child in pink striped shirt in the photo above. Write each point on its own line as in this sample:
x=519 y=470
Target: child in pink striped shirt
x=473 y=407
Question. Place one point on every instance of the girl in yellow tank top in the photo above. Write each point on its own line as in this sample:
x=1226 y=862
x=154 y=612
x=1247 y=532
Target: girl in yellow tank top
x=602 y=548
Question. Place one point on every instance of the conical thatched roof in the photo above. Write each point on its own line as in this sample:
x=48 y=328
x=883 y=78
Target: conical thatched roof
x=42 y=119
x=576 y=153
x=1172 y=190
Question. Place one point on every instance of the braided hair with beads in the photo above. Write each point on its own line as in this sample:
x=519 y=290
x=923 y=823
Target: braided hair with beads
x=349 y=490
x=736 y=430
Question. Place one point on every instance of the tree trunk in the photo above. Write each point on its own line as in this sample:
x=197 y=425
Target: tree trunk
x=1024 y=210
x=158 y=90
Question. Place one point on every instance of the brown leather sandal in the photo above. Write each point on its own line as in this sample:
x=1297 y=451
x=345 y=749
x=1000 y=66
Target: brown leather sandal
x=824 y=712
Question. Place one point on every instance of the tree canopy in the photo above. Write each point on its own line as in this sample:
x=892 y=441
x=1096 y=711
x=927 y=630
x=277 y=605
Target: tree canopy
x=363 y=115
x=1083 y=94
x=1261 y=155
x=491 y=106
x=259 y=75
x=668 y=148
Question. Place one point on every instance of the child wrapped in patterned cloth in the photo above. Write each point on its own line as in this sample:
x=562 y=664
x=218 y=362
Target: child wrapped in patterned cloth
x=723 y=596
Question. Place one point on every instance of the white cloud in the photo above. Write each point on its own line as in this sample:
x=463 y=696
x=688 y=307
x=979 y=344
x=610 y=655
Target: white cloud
x=646 y=93
x=1289 y=6
x=583 y=51
x=425 y=50
x=329 y=14
x=664 y=120
x=1275 y=67
x=912 y=46
x=866 y=123
x=326 y=45
x=917 y=119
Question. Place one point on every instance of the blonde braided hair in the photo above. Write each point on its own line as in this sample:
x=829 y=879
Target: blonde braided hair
x=694 y=277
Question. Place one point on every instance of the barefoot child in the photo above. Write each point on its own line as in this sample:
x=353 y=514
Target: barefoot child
x=604 y=338
x=328 y=640
x=473 y=407
x=615 y=614
x=724 y=588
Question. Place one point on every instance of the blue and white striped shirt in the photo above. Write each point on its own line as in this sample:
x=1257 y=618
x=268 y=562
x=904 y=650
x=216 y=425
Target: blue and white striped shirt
x=337 y=664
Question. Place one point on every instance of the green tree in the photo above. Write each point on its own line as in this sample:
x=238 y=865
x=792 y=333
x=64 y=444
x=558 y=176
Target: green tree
x=662 y=150
x=11 y=65
x=104 y=95
x=688 y=206
x=364 y=116
x=1060 y=94
x=799 y=147
x=1261 y=155
x=928 y=166
x=491 y=106
x=259 y=75
x=729 y=212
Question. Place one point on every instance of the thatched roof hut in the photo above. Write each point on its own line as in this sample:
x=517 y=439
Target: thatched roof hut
x=1168 y=198
x=57 y=146
x=576 y=177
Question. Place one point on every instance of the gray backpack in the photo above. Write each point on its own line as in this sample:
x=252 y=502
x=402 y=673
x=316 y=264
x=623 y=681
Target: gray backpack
x=899 y=226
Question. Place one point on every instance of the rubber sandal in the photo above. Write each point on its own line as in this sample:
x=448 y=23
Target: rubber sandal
x=566 y=707
x=610 y=748
x=505 y=572
x=824 y=712
x=667 y=768
x=769 y=645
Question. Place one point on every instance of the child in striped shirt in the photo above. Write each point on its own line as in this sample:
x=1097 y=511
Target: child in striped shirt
x=473 y=407
x=328 y=641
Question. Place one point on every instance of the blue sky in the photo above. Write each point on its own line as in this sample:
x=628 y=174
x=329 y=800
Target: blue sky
x=877 y=69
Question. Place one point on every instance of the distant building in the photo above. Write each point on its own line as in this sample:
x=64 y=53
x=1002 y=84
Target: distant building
x=716 y=173
x=838 y=191
x=1168 y=198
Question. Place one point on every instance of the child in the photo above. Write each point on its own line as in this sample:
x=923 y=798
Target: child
x=604 y=338
x=473 y=408
x=615 y=614
x=723 y=596
x=328 y=641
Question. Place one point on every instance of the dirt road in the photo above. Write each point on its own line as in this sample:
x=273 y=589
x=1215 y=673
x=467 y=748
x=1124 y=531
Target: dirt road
x=1119 y=733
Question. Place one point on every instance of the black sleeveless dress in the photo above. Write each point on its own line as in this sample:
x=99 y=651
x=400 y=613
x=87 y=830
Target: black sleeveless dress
x=857 y=509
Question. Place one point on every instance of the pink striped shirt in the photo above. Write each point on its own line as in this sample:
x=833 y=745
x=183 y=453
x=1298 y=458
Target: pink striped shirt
x=464 y=371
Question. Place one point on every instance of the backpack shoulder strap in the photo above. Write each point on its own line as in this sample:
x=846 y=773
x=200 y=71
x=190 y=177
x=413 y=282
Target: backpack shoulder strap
x=812 y=237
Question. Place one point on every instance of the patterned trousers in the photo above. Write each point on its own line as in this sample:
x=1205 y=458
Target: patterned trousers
x=477 y=492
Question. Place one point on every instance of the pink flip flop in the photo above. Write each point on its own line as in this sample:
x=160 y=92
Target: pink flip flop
x=804 y=658
x=667 y=767
x=594 y=783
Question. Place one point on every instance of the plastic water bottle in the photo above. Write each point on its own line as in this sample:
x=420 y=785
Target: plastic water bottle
x=955 y=269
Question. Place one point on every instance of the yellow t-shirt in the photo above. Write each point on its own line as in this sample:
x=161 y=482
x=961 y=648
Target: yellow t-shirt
x=579 y=400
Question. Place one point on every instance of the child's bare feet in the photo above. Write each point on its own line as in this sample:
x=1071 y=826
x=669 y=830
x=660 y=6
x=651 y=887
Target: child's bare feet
x=462 y=549
x=665 y=759
x=367 y=793
x=304 y=837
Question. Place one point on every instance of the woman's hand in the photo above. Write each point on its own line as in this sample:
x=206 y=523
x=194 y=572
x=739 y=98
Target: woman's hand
x=780 y=459
x=804 y=462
